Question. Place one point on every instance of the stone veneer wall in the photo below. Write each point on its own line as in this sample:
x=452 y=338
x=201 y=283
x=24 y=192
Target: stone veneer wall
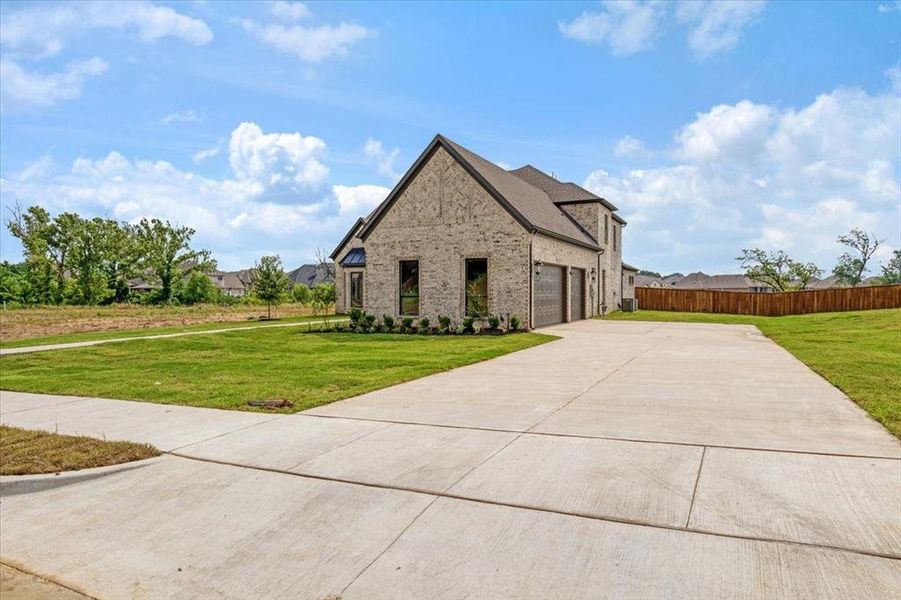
x=441 y=218
x=629 y=288
x=556 y=252
x=342 y=277
x=588 y=215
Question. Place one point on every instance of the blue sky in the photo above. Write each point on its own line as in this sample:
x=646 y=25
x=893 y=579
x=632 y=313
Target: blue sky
x=269 y=127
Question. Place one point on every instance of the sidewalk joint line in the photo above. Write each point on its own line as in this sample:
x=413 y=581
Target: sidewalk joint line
x=694 y=492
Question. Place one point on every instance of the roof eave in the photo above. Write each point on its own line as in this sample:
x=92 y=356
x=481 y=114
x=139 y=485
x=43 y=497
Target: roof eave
x=344 y=241
x=558 y=236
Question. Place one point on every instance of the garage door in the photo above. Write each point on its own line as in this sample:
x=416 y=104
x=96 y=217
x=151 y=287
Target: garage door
x=549 y=296
x=577 y=294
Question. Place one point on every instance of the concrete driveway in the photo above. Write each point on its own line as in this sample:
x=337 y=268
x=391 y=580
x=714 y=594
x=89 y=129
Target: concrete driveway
x=626 y=460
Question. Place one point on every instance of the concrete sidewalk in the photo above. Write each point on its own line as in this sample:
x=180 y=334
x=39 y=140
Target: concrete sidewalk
x=158 y=336
x=628 y=460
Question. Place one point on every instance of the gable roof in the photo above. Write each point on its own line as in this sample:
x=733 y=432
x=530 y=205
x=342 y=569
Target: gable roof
x=310 y=275
x=560 y=192
x=528 y=204
x=350 y=233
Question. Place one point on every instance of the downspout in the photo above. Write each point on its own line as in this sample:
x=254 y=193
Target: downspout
x=531 y=323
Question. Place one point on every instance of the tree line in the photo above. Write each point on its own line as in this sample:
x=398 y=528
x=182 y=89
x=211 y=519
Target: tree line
x=69 y=259
x=784 y=274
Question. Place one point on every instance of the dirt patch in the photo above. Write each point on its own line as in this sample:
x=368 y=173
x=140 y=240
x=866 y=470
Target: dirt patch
x=19 y=585
x=21 y=323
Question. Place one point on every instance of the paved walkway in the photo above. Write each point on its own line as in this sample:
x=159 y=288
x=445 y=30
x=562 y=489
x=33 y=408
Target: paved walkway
x=158 y=336
x=628 y=460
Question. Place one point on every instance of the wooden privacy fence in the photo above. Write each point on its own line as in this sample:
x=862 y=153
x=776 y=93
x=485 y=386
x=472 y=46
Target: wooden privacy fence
x=774 y=304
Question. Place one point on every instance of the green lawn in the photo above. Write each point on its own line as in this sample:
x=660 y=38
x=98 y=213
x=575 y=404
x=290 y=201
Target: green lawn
x=89 y=336
x=228 y=370
x=858 y=352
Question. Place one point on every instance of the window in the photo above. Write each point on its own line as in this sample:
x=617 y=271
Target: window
x=409 y=287
x=477 y=287
x=606 y=229
x=631 y=280
x=615 y=228
x=604 y=287
x=356 y=290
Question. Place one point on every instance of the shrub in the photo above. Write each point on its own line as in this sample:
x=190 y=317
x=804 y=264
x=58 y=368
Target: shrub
x=356 y=316
x=368 y=321
x=424 y=324
x=444 y=323
x=302 y=294
x=406 y=324
x=469 y=325
x=388 y=322
x=494 y=322
x=378 y=328
x=514 y=323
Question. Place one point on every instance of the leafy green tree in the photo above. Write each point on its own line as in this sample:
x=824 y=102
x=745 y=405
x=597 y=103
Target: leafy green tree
x=86 y=257
x=167 y=257
x=199 y=288
x=33 y=229
x=119 y=256
x=777 y=269
x=270 y=284
x=14 y=284
x=324 y=294
x=891 y=271
x=301 y=293
x=853 y=264
x=63 y=232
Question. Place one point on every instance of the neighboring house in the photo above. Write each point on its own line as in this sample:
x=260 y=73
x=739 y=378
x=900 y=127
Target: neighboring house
x=459 y=235
x=649 y=281
x=721 y=283
x=229 y=283
x=312 y=275
x=140 y=286
x=630 y=275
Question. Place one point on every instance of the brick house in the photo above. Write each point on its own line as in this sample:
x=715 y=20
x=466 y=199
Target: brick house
x=460 y=235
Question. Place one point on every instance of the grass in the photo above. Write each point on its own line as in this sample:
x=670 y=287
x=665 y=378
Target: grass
x=27 y=452
x=859 y=352
x=89 y=336
x=48 y=322
x=228 y=370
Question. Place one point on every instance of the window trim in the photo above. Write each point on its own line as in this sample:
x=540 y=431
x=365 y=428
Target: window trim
x=401 y=295
x=350 y=286
x=466 y=262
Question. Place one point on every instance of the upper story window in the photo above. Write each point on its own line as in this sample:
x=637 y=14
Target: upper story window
x=606 y=229
x=615 y=229
x=477 y=287
x=409 y=287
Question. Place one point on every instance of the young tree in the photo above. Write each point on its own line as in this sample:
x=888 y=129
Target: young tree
x=891 y=271
x=301 y=293
x=853 y=264
x=324 y=264
x=198 y=289
x=777 y=269
x=270 y=284
x=167 y=257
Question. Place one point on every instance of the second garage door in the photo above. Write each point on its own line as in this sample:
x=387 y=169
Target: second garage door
x=549 y=296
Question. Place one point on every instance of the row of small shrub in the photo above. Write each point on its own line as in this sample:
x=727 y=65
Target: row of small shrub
x=363 y=322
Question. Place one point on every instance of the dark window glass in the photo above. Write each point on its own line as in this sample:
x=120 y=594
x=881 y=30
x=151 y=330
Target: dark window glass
x=356 y=290
x=477 y=287
x=606 y=229
x=614 y=237
x=409 y=287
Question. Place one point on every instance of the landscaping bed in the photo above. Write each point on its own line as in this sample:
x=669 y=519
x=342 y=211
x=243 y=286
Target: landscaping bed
x=361 y=322
x=28 y=452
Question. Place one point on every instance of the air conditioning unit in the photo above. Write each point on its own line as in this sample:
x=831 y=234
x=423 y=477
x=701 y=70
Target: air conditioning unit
x=630 y=304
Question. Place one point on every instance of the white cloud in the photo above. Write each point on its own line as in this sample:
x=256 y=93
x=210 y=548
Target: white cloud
x=283 y=163
x=308 y=43
x=235 y=216
x=716 y=26
x=376 y=153
x=202 y=155
x=751 y=174
x=890 y=7
x=31 y=89
x=359 y=200
x=627 y=27
x=184 y=116
x=630 y=147
x=725 y=132
x=45 y=29
x=289 y=11
x=894 y=76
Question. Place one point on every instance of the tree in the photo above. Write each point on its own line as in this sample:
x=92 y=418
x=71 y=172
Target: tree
x=119 y=256
x=891 y=271
x=85 y=262
x=270 y=284
x=167 y=257
x=33 y=229
x=14 y=284
x=324 y=294
x=301 y=293
x=852 y=265
x=777 y=269
x=198 y=289
x=650 y=273
x=324 y=264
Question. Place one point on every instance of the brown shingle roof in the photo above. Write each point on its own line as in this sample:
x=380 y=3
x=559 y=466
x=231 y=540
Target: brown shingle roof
x=558 y=191
x=529 y=205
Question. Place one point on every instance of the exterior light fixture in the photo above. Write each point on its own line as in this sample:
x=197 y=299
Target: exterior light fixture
x=538 y=265
x=594 y=274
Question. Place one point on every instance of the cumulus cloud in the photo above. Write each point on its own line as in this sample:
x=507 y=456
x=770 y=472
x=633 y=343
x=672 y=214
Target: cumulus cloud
x=751 y=174
x=22 y=88
x=630 y=147
x=627 y=27
x=241 y=216
x=310 y=44
x=383 y=159
x=45 y=29
x=289 y=11
x=715 y=26
x=632 y=26
x=184 y=116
